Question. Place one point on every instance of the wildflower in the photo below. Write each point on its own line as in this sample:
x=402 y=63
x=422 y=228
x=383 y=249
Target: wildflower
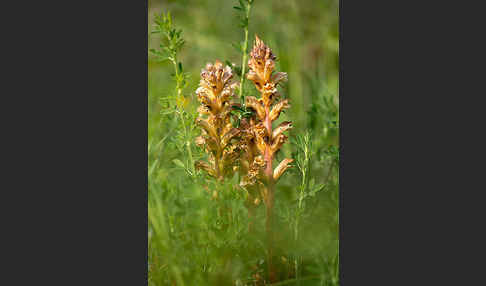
x=266 y=141
x=215 y=92
x=259 y=131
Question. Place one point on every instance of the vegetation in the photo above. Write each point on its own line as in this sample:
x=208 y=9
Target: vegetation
x=232 y=199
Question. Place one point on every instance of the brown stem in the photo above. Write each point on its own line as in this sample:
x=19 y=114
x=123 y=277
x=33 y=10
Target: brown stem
x=216 y=165
x=269 y=195
x=268 y=150
x=217 y=160
x=268 y=122
x=269 y=228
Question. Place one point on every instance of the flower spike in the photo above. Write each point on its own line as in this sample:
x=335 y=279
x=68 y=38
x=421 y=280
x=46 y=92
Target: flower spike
x=215 y=92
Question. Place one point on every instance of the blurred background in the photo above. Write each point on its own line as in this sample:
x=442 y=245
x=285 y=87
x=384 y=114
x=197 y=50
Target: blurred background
x=302 y=33
x=304 y=36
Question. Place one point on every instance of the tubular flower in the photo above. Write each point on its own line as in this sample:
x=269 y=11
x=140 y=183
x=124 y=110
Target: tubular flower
x=266 y=140
x=215 y=92
x=251 y=164
x=247 y=145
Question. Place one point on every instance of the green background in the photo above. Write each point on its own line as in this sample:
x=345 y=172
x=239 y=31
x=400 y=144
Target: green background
x=188 y=241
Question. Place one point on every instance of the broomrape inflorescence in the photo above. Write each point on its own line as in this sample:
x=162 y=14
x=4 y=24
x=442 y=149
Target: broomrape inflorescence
x=262 y=142
x=252 y=146
x=215 y=93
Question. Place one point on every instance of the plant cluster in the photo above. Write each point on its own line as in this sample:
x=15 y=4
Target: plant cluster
x=256 y=136
x=239 y=133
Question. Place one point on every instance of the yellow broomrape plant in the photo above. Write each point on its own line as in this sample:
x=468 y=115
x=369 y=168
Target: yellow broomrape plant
x=215 y=93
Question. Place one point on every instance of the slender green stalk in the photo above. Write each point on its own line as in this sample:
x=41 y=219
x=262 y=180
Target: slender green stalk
x=179 y=95
x=244 y=51
x=168 y=51
x=303 y=164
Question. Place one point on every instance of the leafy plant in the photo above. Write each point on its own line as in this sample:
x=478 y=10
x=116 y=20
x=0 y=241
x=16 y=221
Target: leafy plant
x=169 y=48
x=211 y=227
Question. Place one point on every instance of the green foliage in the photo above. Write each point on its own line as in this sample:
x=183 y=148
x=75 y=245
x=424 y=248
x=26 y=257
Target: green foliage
x=169 y=48
x=174 y=41
x=244 y=16
x=196 y=239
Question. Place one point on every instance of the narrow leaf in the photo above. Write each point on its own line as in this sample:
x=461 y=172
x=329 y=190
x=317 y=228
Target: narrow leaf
x=179 y=163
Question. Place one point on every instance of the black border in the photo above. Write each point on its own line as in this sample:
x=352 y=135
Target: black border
x=78 y=151
x=80 y=143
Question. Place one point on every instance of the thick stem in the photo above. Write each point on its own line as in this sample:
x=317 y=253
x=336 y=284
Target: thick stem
x=269 y=229
x=216 y=165
x=269 y=202
x=219 y=154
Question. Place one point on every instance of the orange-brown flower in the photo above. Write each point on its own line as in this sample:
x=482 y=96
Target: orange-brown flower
x=215 y=92
x=267 y=142
x=261 y=72
x=267 y=108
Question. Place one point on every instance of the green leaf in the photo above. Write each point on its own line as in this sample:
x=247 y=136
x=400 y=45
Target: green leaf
x=179 y=163
x=312 y=183
x=169 y=19
x=167 y=112
x=237 y=47
x=244 y=22
x=237 y=8
x=239 y=108
x=153 y=166
x=317 y=189
x=237 y=70
x=154 y=51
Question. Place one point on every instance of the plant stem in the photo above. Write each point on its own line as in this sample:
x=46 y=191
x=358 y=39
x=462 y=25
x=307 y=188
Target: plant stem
x=217 y=164
x=245 y=48
x=269 y=229
x=268 y=156
x=186 y=136
x=304 y=169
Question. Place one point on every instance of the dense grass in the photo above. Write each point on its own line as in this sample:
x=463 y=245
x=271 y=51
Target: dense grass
x=195 y=239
